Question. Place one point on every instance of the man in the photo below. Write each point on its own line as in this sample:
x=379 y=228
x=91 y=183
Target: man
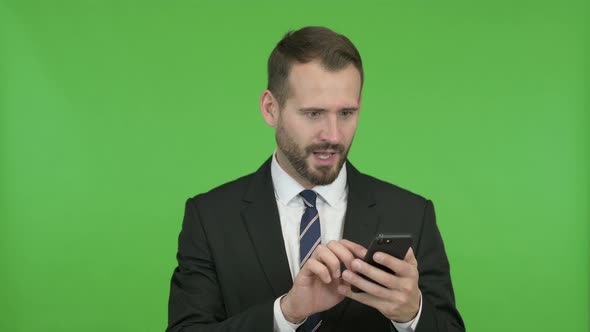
x=264 y=252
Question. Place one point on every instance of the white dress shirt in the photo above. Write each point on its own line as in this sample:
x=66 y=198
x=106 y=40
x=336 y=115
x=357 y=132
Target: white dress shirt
x=331 y=206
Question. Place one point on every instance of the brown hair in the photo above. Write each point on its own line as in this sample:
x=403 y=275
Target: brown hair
x=333 y=50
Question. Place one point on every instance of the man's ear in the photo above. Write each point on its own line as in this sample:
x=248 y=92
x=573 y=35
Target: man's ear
x=269 y=107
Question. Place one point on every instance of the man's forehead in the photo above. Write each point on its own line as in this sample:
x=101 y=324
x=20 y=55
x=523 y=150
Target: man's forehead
x=312 y=79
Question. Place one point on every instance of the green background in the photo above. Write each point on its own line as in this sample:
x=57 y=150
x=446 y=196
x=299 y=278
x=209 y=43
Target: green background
x=113 y=113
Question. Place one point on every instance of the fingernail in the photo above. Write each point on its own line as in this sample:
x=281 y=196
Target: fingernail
x=356 y=264
x=378 y=257
x=346 y=275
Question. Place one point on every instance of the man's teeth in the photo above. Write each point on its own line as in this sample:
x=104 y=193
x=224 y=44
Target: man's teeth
x=324 y=156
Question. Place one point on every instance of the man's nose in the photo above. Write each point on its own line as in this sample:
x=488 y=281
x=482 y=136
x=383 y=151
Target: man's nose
x=330 y=130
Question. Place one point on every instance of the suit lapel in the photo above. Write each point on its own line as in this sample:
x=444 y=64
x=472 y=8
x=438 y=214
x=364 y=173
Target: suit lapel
x=262 y=221
x=361 y=220
x=360 y=226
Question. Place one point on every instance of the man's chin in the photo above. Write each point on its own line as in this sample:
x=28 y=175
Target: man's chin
x=324 y=175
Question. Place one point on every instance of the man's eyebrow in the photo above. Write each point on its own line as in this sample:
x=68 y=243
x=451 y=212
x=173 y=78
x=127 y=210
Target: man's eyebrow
x=318 y=109
x=312 y=109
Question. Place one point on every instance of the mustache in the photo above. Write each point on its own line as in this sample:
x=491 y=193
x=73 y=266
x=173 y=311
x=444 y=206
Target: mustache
x=325 y=146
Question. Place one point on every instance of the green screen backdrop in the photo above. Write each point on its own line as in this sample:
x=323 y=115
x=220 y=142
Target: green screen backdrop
x=113 y=113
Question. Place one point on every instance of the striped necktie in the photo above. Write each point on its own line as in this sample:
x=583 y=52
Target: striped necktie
x=309 y=239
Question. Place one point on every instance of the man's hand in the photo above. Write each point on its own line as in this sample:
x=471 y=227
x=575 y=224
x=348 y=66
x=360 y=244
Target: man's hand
x=315 y=287
x=399 y=297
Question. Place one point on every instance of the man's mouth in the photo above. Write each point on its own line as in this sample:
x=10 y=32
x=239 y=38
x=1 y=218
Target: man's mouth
x=324 y=155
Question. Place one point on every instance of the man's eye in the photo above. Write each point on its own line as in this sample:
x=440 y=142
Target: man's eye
x=313 y=115
x=345 y=114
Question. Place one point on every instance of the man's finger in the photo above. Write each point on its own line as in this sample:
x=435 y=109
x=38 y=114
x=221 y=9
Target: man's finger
x=325 y=255
x=367 y=286
x=401 y=268
x=387 y=279
x=358 y=250
x=410 y=258
x=314 y=267
x=364 y=298
x=344 y=254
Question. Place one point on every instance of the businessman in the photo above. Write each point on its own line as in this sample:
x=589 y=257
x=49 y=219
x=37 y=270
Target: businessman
x=281 y=248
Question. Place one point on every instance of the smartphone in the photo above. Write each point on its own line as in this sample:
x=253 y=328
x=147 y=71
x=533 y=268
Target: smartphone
x=396 y=245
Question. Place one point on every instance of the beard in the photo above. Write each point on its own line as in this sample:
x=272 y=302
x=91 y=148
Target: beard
x=298 y=158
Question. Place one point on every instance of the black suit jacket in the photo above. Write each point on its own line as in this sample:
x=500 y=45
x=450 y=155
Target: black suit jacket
x=232 y=263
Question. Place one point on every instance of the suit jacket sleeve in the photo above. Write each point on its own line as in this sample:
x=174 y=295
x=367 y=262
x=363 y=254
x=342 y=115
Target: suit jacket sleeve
x=196 y=300
x=439 y=312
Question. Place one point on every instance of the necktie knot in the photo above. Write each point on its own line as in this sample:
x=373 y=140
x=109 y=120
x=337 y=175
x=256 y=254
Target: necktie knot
x=309 y=197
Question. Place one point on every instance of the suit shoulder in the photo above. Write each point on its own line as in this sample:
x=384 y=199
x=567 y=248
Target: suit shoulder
x=385 y=191
x=229 y=191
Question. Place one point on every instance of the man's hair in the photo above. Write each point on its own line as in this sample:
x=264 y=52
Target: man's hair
x=333 y=50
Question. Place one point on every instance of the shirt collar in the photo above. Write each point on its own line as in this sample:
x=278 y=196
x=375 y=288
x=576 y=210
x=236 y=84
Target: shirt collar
x=287 y=188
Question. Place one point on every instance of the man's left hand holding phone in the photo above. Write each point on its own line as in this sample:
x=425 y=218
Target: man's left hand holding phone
x=396 y=295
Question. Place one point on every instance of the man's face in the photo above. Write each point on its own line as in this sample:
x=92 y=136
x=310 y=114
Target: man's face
x=317 y=123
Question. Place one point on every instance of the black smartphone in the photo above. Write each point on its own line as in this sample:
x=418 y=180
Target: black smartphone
x=396 y=245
